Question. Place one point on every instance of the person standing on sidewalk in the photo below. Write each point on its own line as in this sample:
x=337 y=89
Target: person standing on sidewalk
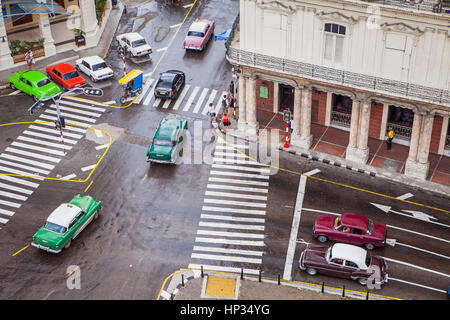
x=232 y=106
x=225 y=104
x=390 y=138
x=29 y=59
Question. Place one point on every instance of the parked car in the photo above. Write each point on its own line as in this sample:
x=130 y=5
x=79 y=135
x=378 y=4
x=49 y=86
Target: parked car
x=95 y=68
x=167 y=141
x=343 y=261
x=169 y=84
x=199 y=34
x=33 y=83
x=135 y=44
x=350 y=228
x=65 y=223
x=66 y=75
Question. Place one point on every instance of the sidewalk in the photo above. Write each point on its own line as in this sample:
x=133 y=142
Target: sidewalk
x=100 y=50
x=187 y=284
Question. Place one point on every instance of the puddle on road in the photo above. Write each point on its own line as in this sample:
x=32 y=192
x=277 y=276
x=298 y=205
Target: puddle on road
x=162 y=33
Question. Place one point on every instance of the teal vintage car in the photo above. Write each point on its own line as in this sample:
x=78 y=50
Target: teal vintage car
x=34 y=83
x=167 y=141
x=65 y=223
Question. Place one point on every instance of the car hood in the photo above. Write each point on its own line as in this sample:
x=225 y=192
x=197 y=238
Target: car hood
x=324 y=222
x=379 y=230
x=47 y=238
x=193 y=41
x=315 y=253
x=76 y=81
x=160 y=152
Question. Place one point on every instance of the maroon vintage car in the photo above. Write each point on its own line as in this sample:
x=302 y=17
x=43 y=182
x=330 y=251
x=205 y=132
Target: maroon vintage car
x=344 y=261
x=350 y=228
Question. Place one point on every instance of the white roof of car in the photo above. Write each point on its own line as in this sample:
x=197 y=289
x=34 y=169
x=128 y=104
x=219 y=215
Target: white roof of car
x=132 y=36
x=93 y=59
x=64 y=214
x=349 y=252
x=198 y=26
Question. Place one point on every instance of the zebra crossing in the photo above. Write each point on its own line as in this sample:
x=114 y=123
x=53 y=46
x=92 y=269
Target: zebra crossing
x=38 y=150
x=230 y=233
x=193 y=99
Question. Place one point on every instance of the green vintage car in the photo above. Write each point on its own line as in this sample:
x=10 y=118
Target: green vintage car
x=65 y=223
x=33 y=83
x=167 y=141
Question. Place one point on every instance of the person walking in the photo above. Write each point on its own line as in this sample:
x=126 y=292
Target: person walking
x=29 y=59
x=211 y=113
x=225 y=104
x=225 y=121
x=390 y=138
x=232 y=106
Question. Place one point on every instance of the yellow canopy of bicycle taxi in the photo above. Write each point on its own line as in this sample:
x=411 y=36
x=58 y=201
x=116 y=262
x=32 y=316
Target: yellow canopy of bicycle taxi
x=130 y=76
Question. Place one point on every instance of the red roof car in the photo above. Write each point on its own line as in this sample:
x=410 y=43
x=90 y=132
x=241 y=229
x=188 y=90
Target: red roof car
x=66 y=75
x=344 y=261
x=199 y=34
x=350 y=228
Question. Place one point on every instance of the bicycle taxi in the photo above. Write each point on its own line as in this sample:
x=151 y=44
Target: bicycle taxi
x=132 y=83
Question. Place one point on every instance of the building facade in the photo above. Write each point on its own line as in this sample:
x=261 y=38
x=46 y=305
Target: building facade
x=355 y=65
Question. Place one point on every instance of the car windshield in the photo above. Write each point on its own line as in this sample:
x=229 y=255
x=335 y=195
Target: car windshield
x=162 y=142
x=368 y=259
x=138 y=43
x=55 y=227
x=43 y=82
x=71 y=75
x=370 y=227
x=196 y=34
x=99 y=66
x=165 y=84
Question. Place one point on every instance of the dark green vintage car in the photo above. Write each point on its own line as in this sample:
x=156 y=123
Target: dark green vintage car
x=34 y=83
x=167 y=141
x=65 y=223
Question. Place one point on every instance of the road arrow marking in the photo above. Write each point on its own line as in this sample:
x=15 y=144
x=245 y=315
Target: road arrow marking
x=391 y=242
x=420 y=215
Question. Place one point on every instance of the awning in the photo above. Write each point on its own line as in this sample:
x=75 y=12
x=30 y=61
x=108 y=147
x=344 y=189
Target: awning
x=223 y=36
x=130 y=76
x=34 y=7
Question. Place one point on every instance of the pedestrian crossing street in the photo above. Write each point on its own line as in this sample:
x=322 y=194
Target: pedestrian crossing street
x=230 y=234
x=193 y=99
x=39 y=149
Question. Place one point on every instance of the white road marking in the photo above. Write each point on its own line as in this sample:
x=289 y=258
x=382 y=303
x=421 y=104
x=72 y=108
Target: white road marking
x=103 y=146
x=22 y=166
x=228 y=187
x=161 y=49
x=56 y=132
x=231 y=241
x=416 y=267
x=70 y=176
x=230 y=218
x=287 y=275
x=166 y=103
x=147 y=86
x=14 y=188
x=231 y=234
x=200 y=100
x=156 y=102
x=36 y=148
x=181 y=96
x=88 y=167
x=234 y=210
x=44 y=143
x=231 y=226
x=175 y=25
x=3 y=220
x=232 y=251
x=98 y=133
x=10 y=204
x=237 y=161
x=70 y=121
x=84 y=101
x=223 y=269
x=236 y=203
x=210 y=100
x=238 y=174
x=225 y=258
x=35 y=163
x=312 y=172
x=7 y=212
x=32 y=154
x=48 y=137
x=19 y=181
x=110 y=102
x=239 y=181
x=72 y=116
x=188 y=5
x=12 y=195
x=417 y=285
x=150 y=94
x=219 y=103
x=229 y=155
x=423 y=250
x=405 y=196
x=235 y=195
x=191 y=99
x=85 y=105
x=87 y=113
x=233 y=167
x=20 y=172
x=14 y=93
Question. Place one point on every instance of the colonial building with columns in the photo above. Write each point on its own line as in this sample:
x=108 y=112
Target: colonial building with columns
x=360 y=66
x=52 y=18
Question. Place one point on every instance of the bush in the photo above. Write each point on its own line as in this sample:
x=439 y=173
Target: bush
x=99 y=7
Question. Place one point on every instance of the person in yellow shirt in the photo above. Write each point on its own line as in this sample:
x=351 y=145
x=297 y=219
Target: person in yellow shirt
x=390 y=138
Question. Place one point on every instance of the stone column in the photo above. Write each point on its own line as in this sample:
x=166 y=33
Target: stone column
x=89 y=23
x=252 y=124
x=276 y=97
x=363 y=136
x=415 y=136
x=242 y=121
x=5 y=53
x=354 y=124
x=303 y=137
x=297 y=111
x=46 y=33
x=328 y=109
x=357 y=149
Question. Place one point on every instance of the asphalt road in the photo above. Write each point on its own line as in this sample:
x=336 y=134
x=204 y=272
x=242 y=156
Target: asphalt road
x=158 y=219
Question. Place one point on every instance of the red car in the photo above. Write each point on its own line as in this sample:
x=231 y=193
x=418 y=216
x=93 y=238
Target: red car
x=199 y=34
x=66 y=75
x=350 y=228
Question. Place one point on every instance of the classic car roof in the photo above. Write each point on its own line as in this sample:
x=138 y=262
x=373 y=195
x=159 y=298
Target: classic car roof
x=33 y=75
x=64 y=214
x=63 y=67
x=132 y=36
x=199 y=25
x=167 y=127
x=354 y=220
x=349 y=252
x=93 y=59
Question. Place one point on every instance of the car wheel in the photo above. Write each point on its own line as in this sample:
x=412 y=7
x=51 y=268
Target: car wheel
x=311 y=271
x=123 y=100
x=322 y=238
x=362 y=281
x=12 y=86
x=68 y=244
x=92 y=78
x=369 y=246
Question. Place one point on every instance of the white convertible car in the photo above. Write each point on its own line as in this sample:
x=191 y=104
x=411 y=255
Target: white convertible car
x=95 y=67
x=135 y=44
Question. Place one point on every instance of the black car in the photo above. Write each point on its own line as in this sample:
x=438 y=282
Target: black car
x=169 y=84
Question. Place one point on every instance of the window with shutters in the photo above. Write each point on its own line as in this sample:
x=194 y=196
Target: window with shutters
x=334 y=42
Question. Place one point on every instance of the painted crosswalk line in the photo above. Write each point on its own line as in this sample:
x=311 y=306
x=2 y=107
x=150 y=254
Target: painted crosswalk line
x=49 y=137
x=146 y=87
x=27 y=161
x=181 y=96
x=200 y=100
x=225 y=258
x=210 y=100
x=223 y=269
x=191 y=99
x=231 y=251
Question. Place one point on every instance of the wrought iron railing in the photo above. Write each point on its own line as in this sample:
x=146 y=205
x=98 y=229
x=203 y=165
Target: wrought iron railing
x=447 y=143
x=340 y=118
x=347 y=78
x=400 y=131
x=435 y=6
